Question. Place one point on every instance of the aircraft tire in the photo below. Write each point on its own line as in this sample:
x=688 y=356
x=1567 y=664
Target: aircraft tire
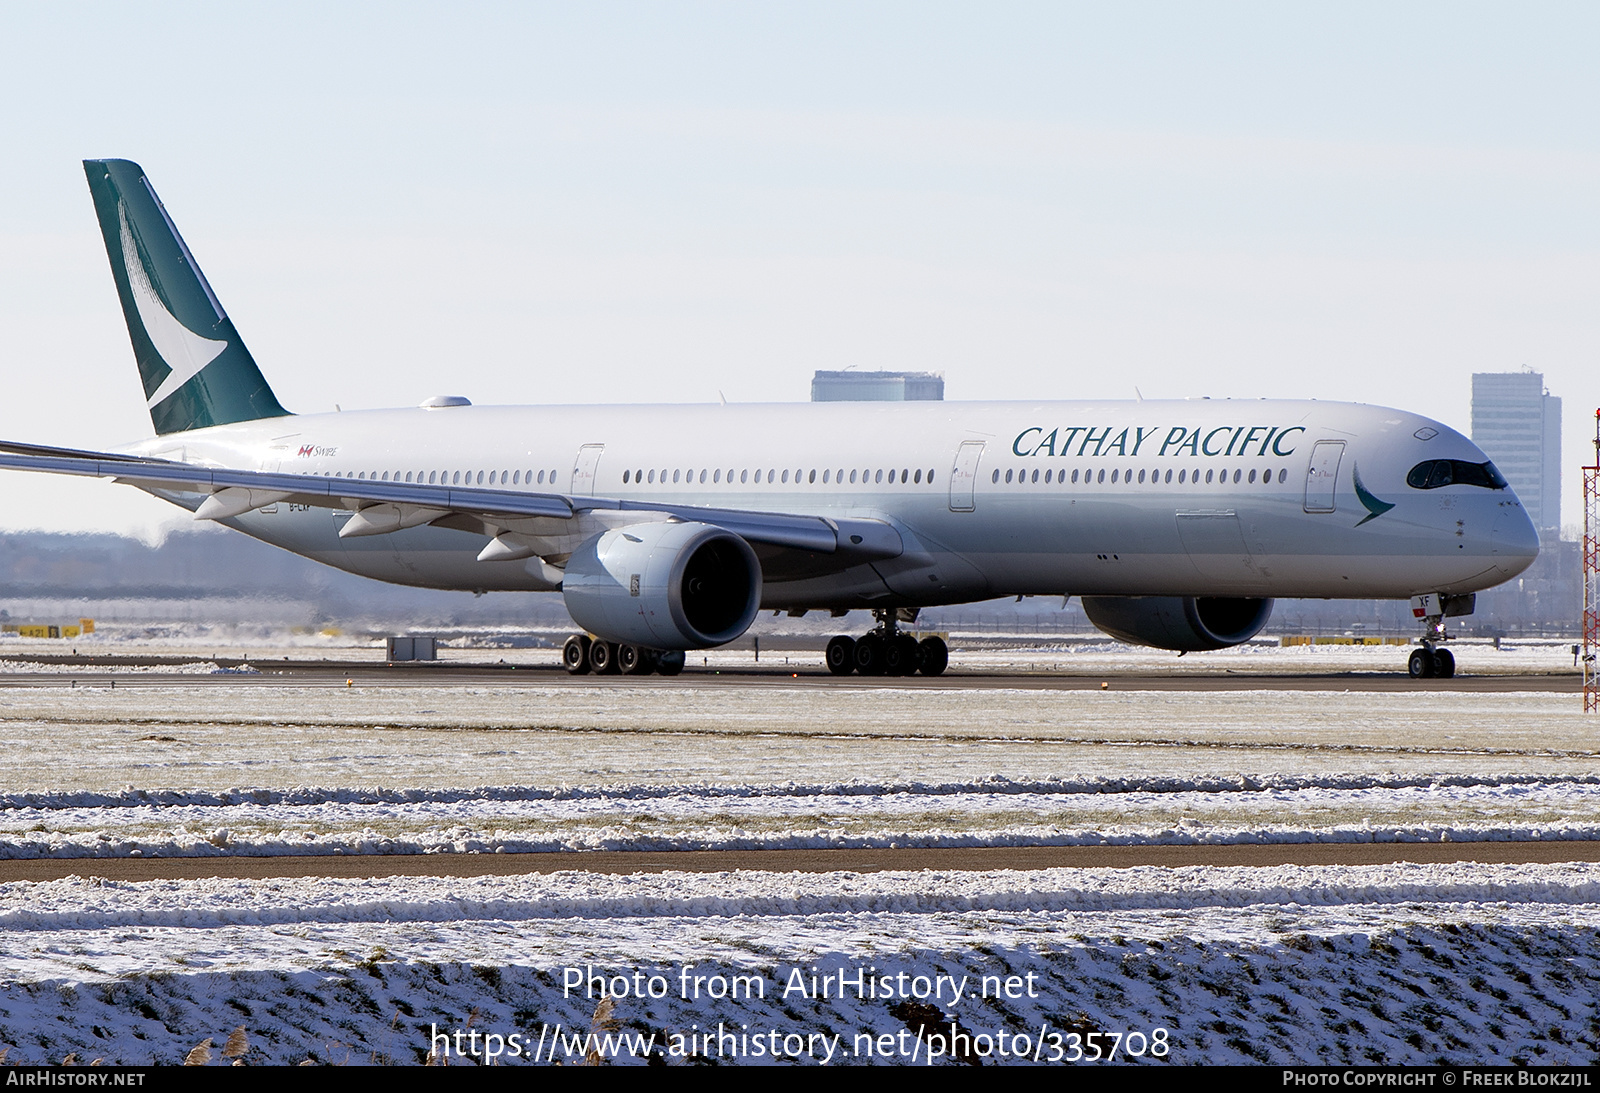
x=935 y=656
x=842 y=655
x=1421 y=664
x=901 y=656
x=869 y=655
x=671 y=662
x=575 y=655
x=1444 y=663
x=633 y=660
x=603 y=658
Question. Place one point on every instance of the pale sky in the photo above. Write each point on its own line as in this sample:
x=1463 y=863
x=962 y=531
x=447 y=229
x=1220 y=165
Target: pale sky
x=552 y=203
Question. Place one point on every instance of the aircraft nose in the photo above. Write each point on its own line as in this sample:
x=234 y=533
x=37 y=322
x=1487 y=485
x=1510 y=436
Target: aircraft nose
x=1513 y=540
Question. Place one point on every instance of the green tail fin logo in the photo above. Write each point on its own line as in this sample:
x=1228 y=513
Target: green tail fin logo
x=195 y=369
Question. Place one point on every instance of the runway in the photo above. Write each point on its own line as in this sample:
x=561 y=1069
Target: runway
x=122 y=671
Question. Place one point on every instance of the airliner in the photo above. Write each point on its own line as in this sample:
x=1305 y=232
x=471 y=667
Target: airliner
x=667 y=528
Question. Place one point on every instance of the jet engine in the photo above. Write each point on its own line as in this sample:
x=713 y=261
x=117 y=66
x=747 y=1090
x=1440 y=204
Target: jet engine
x=664 y=585
x=1188 y=624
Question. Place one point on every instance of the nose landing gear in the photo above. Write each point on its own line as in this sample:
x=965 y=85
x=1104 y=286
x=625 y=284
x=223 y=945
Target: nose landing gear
x=1426 y=663
x=1431 y=661
x=885 y=651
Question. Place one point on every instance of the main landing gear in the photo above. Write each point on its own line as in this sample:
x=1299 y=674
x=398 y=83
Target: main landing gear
x=582 y=655
x=885 y=651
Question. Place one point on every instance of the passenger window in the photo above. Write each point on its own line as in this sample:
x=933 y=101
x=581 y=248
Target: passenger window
x=1102 y=476
x=1208 y=478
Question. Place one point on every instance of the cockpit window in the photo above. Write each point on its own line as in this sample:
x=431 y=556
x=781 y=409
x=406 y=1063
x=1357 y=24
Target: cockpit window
x=1433 y=473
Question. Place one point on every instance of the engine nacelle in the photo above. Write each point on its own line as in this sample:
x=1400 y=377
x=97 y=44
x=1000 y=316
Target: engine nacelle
x=1188 y=624
x=665 y=586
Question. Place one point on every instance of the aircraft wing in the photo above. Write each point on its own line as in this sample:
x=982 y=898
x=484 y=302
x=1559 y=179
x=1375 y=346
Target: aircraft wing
x=380 y=507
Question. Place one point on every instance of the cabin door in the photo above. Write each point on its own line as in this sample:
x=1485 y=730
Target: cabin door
x=1322 y=476
x=964 y=476
x=583 y=471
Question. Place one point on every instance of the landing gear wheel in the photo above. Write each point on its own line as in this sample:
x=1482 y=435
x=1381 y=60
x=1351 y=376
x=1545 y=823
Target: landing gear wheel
x=842 y=655
x=603 y=658
x=935 y=656
x=1444 y=663
x=575 y=655
x=869 y=655
x=670 y=663
x=633 y=660
x=1421 y=664
x=901 y=655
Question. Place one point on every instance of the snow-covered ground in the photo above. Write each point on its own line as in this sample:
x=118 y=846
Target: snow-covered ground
x=994 y=812
x=1398 y=963
x=1374 y=964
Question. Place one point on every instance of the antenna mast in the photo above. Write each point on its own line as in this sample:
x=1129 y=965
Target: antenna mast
x=1591 y=576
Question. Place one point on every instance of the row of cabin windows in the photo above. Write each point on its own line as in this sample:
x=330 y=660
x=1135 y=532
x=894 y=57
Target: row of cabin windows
x=1154 y=477
x=456 y=478
x=773 y=475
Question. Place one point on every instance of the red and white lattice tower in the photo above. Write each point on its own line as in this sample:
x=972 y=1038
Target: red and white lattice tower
x=1591 y=576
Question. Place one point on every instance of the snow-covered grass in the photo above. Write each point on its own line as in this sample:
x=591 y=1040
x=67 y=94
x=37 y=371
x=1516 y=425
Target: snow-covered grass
x=1395 y=963
x=994 y=812
x=216 y=738
x=1405 y=963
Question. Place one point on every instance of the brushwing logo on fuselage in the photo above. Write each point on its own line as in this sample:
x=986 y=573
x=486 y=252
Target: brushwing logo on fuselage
x=183 y=351
x=1375 y=508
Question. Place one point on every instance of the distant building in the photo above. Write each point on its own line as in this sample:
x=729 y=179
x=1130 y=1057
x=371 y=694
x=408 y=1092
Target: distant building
x=877 y=387
x=1517 y=423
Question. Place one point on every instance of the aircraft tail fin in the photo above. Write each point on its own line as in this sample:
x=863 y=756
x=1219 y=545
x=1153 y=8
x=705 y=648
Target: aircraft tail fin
x=196 y=370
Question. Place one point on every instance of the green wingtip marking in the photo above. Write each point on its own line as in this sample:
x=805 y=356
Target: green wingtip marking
x=1375 y=508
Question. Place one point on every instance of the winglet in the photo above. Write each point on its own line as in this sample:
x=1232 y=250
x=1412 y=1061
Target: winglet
x=195 y=369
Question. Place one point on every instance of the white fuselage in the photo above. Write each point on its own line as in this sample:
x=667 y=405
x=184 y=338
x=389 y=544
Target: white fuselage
x=1169 y=498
